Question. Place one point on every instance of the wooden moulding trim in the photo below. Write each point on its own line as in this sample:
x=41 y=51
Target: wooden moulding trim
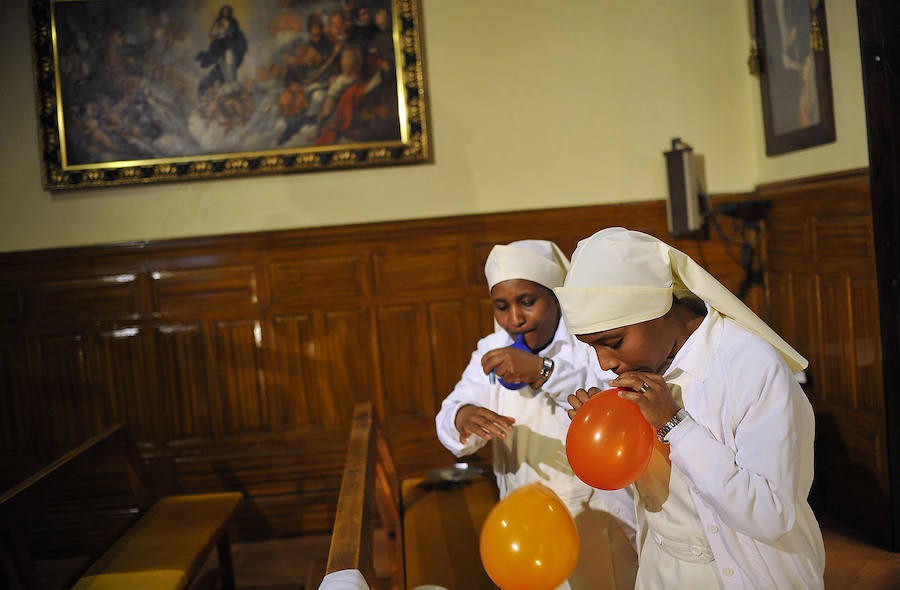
x=807 y=180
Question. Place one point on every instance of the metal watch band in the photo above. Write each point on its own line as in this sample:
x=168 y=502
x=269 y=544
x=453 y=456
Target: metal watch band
x=674 y=421
x=546 y=370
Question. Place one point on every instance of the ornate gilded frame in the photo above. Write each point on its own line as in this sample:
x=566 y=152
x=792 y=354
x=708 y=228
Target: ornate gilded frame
x=112 y=78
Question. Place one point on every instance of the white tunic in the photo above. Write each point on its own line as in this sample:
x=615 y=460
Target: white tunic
x=743 y=461
x=535 y=452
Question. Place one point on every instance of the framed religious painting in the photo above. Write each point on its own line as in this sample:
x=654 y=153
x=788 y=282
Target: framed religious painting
x=140 y=91
x=794 y=73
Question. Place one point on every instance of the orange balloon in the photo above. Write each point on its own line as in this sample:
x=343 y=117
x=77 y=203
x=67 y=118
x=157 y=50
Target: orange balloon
x=529 y=540
x=609 y=441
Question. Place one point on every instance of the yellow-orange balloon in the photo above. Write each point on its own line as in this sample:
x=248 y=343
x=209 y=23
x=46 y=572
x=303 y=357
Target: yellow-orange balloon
x=529 y=540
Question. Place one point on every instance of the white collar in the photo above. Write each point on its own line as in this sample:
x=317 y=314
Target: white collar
x=694 y=353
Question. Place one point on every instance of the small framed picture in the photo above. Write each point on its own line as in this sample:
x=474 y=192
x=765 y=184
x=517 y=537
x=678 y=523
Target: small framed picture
x=795 y=74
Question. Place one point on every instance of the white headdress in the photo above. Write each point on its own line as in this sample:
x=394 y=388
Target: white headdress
x=540 y=261
x=621 y=277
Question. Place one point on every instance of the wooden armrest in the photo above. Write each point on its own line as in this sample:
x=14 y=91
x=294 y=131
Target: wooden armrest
x=369 y=476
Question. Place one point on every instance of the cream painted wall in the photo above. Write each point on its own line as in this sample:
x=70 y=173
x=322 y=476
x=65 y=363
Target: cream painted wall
x=533 y=105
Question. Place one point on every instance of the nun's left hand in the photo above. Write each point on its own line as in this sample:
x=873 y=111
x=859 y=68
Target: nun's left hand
x=579 y=398
x=651 y=394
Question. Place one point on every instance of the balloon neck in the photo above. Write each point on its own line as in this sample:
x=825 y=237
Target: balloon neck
x=521 y=345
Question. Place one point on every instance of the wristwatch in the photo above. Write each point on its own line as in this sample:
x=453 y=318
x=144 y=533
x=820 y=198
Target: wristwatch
x=546 y=370
x=674 y=421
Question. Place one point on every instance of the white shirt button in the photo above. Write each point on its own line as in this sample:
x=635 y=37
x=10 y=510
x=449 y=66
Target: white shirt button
x=695 y=489
x=728 y=572
x=658 y=539
x=696 y=550
x=617 y=510
x=713 y=529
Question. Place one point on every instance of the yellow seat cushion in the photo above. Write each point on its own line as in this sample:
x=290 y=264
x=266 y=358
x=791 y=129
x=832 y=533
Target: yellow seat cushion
x=143 y=580
x=166 y=546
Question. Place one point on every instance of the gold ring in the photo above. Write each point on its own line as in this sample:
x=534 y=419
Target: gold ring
x=644 y=387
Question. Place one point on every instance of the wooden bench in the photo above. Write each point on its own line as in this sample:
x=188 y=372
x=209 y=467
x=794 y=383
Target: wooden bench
x=164 y=548
x=432 y=528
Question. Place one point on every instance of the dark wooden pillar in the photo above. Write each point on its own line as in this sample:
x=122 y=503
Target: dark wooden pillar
x=879 y=33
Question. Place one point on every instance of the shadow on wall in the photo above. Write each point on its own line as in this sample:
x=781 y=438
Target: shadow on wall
x=839 y=478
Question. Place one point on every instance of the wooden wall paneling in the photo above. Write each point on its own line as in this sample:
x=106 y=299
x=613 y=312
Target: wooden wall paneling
x=297 y=381
x=12 y=308
x=479 y=252
x=122 y=380
x=322 y=277
x=417 y=270
x=185 y=291
x=779 y=287
x=247 y=353
x=807 y=327
x=185 y=391
x=866 y=348
x=351 y=366
x=284 y=483
x=789 y=238
x=836 y=347
x=398 y=344
x=15 y=397
x=241 y=382
x=821 y=263
x=92 y=298
x=405 y=370
x=485 y=317
x=851 y=482
x=70 y=411
x=845 y=244
x=452 y=334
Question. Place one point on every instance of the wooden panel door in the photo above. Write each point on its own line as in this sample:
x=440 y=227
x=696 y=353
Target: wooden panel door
x=879 y=34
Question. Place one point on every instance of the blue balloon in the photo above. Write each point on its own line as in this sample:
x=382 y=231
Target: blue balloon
x=520 y=344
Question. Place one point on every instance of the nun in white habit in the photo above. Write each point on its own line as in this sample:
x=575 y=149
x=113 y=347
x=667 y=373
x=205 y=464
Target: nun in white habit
x=513 y=393
x=723 y=502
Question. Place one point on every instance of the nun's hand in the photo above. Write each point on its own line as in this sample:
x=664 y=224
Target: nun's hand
x=483 y=422
x=512 y=364
x=578 y=399
x=651 y=393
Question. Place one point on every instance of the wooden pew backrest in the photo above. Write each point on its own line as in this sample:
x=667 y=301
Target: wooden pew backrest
x=165 y=546
x=369 y=474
